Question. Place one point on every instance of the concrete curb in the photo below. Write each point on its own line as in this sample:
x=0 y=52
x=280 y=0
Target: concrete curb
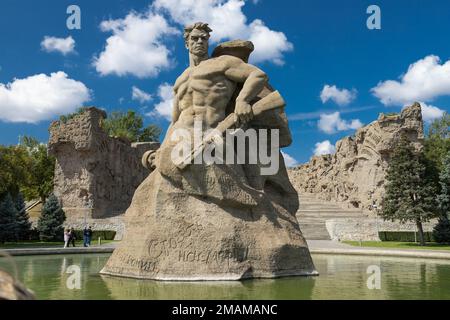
x=340 y=251
x=383 y=253
x=52 y=251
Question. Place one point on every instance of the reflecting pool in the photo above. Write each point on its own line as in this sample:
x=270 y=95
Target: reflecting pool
x=341 y=277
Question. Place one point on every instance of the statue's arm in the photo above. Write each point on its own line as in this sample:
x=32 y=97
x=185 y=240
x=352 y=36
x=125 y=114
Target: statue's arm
x=253 y=79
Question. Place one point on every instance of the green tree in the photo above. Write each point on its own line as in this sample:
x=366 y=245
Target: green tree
x=437 y=142
x=129 y=125
x=410 y=189
x=23 y=224
x=14 y=169
x=441 y=232
x=443 y=198
x=8 y=214
x=50 y=224
x=41 y=169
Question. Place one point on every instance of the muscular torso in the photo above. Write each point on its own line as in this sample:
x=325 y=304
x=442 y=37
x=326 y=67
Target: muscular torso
x=203 y=93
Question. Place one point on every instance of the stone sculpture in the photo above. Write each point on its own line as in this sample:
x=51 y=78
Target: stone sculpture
x=90 y=180
x=215 y=221
x=355 y=173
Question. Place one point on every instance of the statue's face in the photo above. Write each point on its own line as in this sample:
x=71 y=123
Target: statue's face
x=198 y=42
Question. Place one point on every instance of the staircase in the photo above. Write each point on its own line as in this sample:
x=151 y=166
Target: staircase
x=314 y=212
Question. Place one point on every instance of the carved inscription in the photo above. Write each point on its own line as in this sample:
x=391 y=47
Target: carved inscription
x=183 y=247
x=145 y=265
x=157 y=247
x=212 y=256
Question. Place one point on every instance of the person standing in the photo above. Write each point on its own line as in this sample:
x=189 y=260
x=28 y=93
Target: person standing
x=66 y=237
x=72 y=237
x=87 y=235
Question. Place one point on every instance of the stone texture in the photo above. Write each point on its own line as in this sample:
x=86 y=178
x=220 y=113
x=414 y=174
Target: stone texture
x=95 y=175
x=355 y=174
x=213 y=221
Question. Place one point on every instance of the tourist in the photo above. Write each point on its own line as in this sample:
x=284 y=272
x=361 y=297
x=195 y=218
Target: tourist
x=66 y=237
x=87 y=235
x=72 y=237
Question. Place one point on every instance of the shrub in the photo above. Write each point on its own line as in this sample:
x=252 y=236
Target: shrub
x=403 y=236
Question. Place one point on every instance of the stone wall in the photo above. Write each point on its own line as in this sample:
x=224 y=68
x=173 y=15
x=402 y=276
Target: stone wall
x=355 y=174
x=368 y=229
x=95 y=175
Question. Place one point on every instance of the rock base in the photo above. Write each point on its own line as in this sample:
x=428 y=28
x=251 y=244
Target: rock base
x=179 y=237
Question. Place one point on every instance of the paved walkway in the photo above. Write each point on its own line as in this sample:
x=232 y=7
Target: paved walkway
x=107 y=248
x=327 y=244
x=333 y=247
x=315 y=246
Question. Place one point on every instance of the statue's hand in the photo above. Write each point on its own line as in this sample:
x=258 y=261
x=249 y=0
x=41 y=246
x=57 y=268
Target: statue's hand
x=243 y=112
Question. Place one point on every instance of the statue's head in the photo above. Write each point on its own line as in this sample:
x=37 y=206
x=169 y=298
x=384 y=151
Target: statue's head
x=196 y=38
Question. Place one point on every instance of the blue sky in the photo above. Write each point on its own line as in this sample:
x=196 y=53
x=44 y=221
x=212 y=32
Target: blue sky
x=306 y=45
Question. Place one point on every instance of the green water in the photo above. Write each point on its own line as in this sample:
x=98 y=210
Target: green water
x=341 y=277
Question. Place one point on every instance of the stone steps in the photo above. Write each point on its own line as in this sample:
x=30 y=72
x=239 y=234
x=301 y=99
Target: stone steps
x=314 y=213
x=316 y=231
x=328 y=211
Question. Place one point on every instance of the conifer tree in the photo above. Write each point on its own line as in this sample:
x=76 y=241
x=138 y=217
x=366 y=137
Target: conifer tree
x=410 y=189
x=8 y=214
x=23 y=224
x=50 y=224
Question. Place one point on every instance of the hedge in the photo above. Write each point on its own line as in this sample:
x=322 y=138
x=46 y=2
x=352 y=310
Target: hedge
x=404 y=236
x=103 y=234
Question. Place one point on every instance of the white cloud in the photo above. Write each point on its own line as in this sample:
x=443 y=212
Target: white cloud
x=41 y=97
x=269 y=45
x=140 y=95
x=425 y=80
x=430 y=113
x=229 y=22
x=324 y=147
x=289 y=160
x=136 y=46
x=332 y=123
x=164 y=107
x=340 y=96
x=61 y=45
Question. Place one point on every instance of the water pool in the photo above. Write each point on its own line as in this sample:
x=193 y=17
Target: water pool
x=341 y=277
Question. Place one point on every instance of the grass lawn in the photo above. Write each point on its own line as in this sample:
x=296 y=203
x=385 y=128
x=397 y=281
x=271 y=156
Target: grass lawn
x=38 y=244
x=399 y=245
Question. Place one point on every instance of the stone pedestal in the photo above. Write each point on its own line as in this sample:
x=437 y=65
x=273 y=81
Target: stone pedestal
x=174 y=236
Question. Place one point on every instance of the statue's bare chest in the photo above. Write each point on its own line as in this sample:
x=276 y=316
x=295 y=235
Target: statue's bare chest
x=206 y=79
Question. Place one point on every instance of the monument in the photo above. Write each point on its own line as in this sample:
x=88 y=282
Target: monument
x=90 y=180
x=196 y=219
x=355 y=173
